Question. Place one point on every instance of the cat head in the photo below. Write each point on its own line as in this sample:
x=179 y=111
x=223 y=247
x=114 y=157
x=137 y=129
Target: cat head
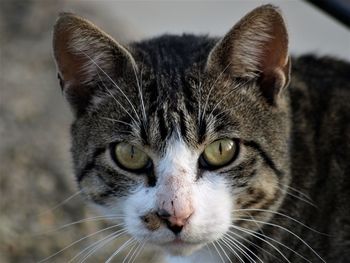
x=181 y=138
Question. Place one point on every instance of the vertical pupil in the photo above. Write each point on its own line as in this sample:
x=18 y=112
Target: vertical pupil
x=132 y=152
x=220 y=148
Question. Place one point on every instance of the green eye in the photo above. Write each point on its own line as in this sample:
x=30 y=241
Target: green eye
x=219 y=153
x=130 y=157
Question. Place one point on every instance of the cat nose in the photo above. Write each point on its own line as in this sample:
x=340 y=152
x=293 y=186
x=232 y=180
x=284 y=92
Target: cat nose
x=175 y=223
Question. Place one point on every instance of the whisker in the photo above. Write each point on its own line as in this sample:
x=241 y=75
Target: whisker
x=139 y=85
x=278 y=242
x=297 y=191
x=252 y=243
x=115 y=99
x=95 y=244
x=200 y=96
x=236 y=243
x=231 y=249
x=60 y=203
x=209 y=250
x=97 y=247
x=287 y=230
x=281 y=214
x=301 y=198
x=211 y=89
x=136 y=244
x=139 y=251
x=213 y=243
x=118 y=121
x=89 y=219
x=258 y=226
x=77 y=241
x=233 y=89
x=125 y=245
x=115 y=84
x=256 y=236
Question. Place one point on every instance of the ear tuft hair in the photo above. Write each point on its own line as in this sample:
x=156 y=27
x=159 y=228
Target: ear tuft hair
x=83 y=55
x=256 y=48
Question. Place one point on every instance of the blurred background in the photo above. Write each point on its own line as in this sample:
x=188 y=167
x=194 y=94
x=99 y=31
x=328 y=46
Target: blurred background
x=35 y=167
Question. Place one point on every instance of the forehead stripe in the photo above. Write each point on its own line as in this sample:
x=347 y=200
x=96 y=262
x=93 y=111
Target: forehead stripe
x=183 y=127
x=202 y=130
x=143 y=133
x=163 y=130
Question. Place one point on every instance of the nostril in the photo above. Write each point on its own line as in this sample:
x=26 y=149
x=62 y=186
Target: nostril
x=174 y=224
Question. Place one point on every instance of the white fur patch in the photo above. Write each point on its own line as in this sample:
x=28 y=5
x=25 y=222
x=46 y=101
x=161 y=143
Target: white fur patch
x=204 y=255
x=209 y=197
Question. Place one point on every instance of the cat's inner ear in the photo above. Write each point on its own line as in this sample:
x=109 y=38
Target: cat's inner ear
x=256 y=48
x=84 y=56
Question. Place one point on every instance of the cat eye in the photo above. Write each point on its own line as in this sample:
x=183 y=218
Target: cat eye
x=129 y=157
x=218 y=154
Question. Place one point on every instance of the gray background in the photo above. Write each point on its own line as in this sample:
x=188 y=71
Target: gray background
x=310 y=29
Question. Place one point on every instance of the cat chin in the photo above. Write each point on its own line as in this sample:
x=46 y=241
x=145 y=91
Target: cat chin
x=184 y=249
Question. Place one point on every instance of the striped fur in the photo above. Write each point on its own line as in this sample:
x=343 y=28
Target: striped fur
x=173 y=95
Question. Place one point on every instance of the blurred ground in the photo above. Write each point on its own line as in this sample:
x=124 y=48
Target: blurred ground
x=35 y=166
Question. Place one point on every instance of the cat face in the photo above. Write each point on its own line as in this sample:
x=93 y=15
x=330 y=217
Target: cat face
x=183 y=138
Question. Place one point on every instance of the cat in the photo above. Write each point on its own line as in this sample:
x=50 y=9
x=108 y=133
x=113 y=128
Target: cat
x=213 y=150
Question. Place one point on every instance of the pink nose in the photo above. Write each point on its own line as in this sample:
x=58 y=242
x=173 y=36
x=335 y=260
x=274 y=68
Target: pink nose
x=177 y=221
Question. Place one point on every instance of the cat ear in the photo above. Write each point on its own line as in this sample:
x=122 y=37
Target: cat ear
x=256 y=48
x=84 y=55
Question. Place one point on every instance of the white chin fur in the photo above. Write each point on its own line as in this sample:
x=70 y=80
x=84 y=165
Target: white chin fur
x=204 y=255
x=181 y=249
x=210 y=221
